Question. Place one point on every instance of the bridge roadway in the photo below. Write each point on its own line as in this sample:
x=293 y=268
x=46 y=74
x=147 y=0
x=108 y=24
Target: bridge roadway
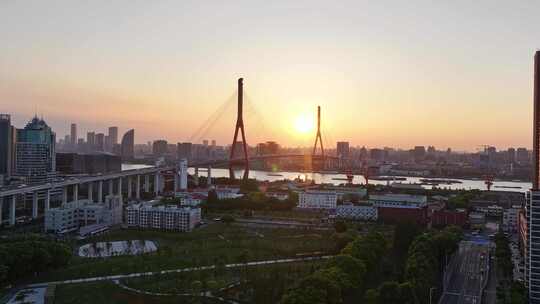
x=221 y=162
x=17 y=190
x=467 y=275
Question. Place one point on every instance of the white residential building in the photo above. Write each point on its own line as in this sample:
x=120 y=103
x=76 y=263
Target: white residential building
x=317 y=199
x=357 y=212
x=163 y=217
x=77 y=214
x=225 y=193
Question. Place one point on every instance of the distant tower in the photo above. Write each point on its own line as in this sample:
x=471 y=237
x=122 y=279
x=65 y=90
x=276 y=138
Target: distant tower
x=239 y=126
x=182 y=173
x=73 y=136
x=318 y=137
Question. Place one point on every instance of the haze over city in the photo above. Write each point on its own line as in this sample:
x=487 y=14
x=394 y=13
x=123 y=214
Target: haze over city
x=386 y=73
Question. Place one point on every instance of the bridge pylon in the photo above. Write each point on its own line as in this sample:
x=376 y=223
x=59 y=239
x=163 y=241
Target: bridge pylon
x=239 y=127
x=318 y=137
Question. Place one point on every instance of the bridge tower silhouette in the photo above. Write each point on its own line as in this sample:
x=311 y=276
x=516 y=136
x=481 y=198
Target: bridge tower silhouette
x=239 y=127
x=318 y=137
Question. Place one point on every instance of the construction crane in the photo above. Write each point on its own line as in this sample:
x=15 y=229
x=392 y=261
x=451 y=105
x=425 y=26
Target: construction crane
x=488 y=180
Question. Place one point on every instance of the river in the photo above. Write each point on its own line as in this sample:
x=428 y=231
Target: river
x=468 y=184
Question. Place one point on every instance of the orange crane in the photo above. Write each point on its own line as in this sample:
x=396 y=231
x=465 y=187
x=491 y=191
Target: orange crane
x=488 y=180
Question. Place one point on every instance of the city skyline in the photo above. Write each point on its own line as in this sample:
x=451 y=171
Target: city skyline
x=366 y=64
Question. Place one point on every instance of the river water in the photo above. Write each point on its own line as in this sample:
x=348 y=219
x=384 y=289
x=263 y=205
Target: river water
x=467 y=184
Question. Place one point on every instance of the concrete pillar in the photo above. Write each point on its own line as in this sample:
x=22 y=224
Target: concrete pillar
x=48 y=199
x=196 y=176
x=209 y=177
x=100 y=192
x=138 y=189
x=76 y=192
x=64 y=195
x=12 y=210
x=147 y=183
x=156 y=183
x=35 y=205
x=90 y=191
x=110 y=187
x=129 y=182
x=120 y=189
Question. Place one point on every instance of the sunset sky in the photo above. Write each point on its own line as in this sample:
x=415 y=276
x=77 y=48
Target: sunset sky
x=386 y=73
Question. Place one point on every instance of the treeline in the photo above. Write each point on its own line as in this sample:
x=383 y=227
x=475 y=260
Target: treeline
x=508 y=290
x=251 y=201
x=356 y=271
x=23 y=256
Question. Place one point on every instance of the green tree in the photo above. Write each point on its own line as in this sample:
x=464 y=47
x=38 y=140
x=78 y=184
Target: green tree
x=371 y=297
x=354 y=269
x=389 y=293
x=340 y=226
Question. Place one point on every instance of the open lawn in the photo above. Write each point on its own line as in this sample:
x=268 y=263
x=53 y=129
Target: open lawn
x=109 y=293
x=204 y=246
x=261 y=284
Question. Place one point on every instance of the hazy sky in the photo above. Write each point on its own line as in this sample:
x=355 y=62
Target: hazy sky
x=386 y=73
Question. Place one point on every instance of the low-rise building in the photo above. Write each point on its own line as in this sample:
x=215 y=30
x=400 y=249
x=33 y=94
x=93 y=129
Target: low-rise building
x=172 y=218
x=190 y=199
x=477 y=220
x=74 y=215
x=281 y=196
x=317 y=200
x=401 y=207
x=510 y=219
x=398 y=200
x=444 y=217
x=364 y=211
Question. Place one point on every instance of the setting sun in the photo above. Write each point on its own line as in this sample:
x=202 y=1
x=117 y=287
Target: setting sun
x=303 y=123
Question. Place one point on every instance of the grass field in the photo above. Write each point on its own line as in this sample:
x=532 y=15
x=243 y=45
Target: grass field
x=260 y=284
x=110 y=293
x=204 y=246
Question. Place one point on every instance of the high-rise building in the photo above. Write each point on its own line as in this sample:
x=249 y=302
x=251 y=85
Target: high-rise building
x=113 y=135
x=184 y=151
x=182 y=174
x=532 y=207
x=73 y=134
x=522 y=155
x=91 y=140
x=6 y=145
x=205 y=142
x=159 y=147
x=213 y=142
x=36 y=152
x=511 y=155
x=342 y=149
x=128 y=145
x=267 y=148
x=419 y=153
x=100 y=142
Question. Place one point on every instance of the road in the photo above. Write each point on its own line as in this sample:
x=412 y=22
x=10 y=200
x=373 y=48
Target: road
x=467 y=275
x=188 y=269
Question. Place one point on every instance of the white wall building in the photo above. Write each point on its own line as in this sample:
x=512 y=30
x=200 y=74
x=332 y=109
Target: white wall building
x=163 y=217
x=365 y=212
x=77 y=214
x=317 y=199
x=398 y=200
